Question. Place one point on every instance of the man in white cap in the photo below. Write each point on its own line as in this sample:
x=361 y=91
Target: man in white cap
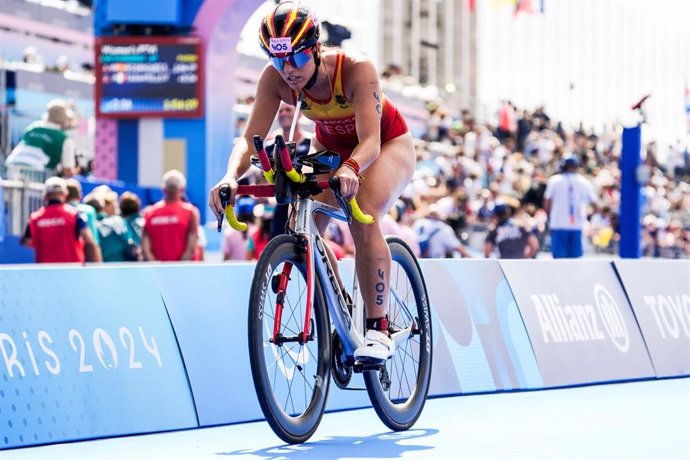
x=45 y=146
x=171 y=226
x=58 y=232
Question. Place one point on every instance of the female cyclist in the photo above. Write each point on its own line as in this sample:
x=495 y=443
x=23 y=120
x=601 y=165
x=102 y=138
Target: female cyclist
x=340 y=92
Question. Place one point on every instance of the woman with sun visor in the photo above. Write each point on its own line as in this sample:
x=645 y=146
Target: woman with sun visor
x=340 y=91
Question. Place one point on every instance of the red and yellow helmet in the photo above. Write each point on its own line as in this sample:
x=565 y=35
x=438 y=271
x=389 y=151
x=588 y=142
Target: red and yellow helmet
x=290 y=28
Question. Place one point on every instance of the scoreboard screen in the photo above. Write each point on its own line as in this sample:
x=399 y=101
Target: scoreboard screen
x=149 y=77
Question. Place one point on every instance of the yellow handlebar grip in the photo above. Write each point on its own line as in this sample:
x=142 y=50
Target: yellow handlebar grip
x=294 y=176
x=232 y=220
x=269 y=176
x=359 y=215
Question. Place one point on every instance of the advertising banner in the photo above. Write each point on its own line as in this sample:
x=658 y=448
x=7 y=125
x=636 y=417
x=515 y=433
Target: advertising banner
x=659 y=292
x=579 y=321
x=86 y=353
x=480 y=342
x=208 y=311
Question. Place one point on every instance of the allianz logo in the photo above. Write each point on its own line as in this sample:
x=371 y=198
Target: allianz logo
x=566 y=323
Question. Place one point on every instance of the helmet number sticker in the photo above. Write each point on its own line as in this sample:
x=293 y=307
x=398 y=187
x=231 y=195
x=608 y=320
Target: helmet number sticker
x=280 y=45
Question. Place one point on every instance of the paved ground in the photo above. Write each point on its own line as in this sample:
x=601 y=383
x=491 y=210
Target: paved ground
x=642 y=420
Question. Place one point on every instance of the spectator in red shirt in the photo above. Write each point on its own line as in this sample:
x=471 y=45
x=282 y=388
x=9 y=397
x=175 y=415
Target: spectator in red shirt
x=260 y=235
x=59 y=232
x=170 y=228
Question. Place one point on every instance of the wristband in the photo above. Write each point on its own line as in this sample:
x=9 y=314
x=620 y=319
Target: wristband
x=352 y=164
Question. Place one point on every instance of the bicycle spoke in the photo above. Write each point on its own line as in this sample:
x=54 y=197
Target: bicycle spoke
x=398 y=375
x=407 y=380
x=399 y=302
x=305 y=386
x=293 y=310
x=311 y=352
x=296 y=364
x=289 y=390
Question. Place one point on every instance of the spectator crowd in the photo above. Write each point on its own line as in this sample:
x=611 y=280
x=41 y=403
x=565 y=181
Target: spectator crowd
x=520 y=186
x=103 y=226
x=523 y=188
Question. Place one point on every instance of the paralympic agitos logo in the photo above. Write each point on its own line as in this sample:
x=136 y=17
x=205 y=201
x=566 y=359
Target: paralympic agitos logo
x=568 y=323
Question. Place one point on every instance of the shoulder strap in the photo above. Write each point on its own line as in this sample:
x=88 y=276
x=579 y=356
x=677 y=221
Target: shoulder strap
x=338 y=86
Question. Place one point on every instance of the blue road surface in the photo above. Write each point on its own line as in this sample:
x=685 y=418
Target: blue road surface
x=641 y=420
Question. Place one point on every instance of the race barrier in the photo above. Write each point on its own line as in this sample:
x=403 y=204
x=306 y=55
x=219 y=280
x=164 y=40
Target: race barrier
x=480 y=343
x=115 y=350
x=87 y=353
x=581 y=326
x=659 y=293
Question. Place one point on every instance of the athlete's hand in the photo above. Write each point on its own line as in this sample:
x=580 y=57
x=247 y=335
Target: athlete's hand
x=214 y=201
x=349 y=182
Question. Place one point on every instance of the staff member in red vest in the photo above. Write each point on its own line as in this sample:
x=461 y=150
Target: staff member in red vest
x=170 y=228
x=59 y=232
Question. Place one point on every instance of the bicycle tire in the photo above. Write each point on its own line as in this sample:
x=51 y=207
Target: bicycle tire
x=397 y=411
x=275 y=369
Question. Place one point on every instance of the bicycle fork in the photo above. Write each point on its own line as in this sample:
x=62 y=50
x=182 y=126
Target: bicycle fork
x=279 y=285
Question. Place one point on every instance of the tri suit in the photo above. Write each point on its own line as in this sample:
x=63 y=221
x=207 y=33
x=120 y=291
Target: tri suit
x=335 y=117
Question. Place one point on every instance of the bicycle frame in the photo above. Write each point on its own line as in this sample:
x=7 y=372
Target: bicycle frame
x=350 y=327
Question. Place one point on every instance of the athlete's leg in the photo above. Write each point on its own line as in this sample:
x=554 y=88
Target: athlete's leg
x=384 y=181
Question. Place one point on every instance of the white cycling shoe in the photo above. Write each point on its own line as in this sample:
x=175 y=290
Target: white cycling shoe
x=377 y=347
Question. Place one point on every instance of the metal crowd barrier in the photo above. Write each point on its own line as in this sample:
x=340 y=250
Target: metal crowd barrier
x=20 y=198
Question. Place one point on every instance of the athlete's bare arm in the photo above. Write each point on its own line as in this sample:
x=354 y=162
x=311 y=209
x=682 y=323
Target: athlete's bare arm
x=363 y=89
x=260 y=119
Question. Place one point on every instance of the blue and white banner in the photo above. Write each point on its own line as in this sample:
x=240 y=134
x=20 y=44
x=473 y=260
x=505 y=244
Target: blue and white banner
x=579 y=321
x=659 y=292
x=87 y=353
x=480 y=342
x=3 y=217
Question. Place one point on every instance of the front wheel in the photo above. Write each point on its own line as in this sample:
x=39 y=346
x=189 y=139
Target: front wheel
x=291 y=374
x=398 y=391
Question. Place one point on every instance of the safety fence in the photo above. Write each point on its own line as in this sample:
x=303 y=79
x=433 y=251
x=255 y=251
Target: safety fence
x=18 y=199
x=118 y=350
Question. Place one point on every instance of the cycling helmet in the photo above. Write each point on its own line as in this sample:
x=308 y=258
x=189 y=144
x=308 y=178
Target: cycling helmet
x=289 y=29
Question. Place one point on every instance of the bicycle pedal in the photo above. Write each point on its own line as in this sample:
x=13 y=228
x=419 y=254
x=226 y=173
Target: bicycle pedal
x=368 y=365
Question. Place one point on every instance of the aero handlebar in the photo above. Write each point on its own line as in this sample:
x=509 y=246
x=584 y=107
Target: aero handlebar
x=269 y=190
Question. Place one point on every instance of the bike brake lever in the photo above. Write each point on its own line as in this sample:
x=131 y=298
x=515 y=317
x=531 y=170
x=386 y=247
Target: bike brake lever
x=334 y=184
x=224 y=193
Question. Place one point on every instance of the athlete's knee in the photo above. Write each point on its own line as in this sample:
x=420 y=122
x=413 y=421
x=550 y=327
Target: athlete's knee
x=366 y=235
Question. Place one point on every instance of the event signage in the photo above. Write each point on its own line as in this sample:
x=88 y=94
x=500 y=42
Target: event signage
x=480 y=342
x=83 y=355
x=149 y=76
x=659 y=292
x=579 y=321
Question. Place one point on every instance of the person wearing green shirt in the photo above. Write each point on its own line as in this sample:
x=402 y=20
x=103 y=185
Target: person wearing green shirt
x=120 y=235
x=45 y=145
x=74 y=195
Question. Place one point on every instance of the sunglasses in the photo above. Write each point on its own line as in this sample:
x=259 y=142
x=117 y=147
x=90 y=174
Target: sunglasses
x=296 y=60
